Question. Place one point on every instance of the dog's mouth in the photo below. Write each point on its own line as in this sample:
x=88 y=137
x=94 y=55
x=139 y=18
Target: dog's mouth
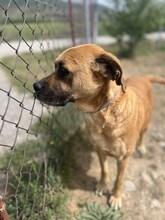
x=54 y=100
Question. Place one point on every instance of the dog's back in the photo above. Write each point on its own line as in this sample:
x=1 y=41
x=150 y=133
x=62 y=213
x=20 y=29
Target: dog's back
x=142 y=87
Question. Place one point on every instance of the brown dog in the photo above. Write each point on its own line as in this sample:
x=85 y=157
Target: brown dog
x=117 y=112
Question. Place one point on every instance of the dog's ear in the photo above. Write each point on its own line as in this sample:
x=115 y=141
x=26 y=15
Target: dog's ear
x=108 y=65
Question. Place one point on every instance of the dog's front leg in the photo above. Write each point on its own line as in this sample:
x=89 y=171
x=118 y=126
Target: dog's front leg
x=102 y=186
x=116 y=198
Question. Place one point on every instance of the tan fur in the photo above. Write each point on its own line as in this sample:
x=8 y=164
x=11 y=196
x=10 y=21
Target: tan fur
x=115 y=130
x=3 y=213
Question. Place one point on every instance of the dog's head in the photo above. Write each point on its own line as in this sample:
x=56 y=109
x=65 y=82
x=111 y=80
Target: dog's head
x=81 y=73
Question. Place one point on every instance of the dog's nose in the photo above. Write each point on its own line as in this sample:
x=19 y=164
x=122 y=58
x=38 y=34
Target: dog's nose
x=37 y=86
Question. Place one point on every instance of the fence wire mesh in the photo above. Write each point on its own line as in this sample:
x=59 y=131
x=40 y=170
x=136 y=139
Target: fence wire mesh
x=32 y=35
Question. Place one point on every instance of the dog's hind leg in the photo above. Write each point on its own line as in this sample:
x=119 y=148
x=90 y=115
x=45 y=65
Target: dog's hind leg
x=141 y=143
x=102 y=186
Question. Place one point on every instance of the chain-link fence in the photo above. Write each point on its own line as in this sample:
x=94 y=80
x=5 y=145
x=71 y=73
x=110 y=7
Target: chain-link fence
x=32 y=136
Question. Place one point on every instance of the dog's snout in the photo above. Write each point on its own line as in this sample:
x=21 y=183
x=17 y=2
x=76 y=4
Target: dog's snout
x=38 y=86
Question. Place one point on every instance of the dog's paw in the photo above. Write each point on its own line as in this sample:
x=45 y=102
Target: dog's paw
x=115 y=203
x=142 y=151
x=101 y=188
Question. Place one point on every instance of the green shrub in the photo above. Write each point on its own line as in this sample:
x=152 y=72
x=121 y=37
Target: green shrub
x=134 y=19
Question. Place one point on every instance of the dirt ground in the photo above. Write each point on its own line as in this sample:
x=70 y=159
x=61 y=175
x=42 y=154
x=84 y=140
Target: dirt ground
x=144 y=185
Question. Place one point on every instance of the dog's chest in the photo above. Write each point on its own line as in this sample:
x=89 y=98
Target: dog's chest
x=106 y=137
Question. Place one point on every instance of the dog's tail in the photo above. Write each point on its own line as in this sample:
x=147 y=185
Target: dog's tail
x=155 y=79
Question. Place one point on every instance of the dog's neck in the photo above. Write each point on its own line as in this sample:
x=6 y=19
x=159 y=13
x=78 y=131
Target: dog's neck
x=100 y=101
x=106 y=104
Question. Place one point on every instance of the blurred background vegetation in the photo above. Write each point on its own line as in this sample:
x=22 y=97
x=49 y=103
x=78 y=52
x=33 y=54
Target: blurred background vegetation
x=130 y=20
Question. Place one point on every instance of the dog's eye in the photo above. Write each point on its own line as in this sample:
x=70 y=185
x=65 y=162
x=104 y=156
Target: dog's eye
x=62 y=72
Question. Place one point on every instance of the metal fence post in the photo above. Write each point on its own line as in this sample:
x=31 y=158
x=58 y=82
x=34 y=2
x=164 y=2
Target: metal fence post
x=71 y=22
x=96 y=20
x=87 y=21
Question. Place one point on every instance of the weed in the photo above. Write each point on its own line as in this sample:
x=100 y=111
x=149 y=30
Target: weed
x=95 y=211
x=38 y=168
